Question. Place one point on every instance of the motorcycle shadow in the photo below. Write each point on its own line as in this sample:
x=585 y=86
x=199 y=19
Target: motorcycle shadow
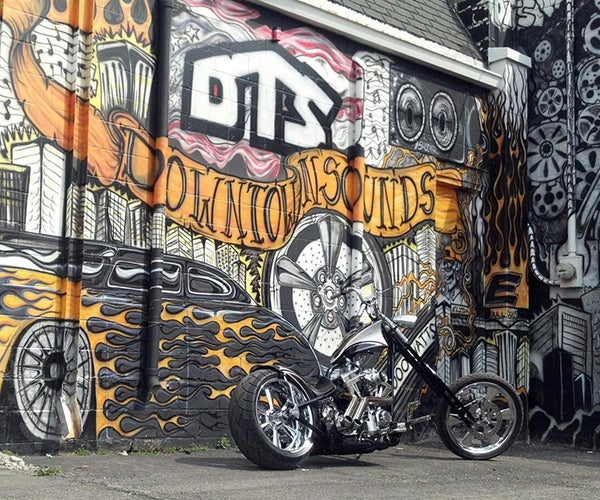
x=234 y=460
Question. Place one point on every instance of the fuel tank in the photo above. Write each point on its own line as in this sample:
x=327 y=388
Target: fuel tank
x=362 y=339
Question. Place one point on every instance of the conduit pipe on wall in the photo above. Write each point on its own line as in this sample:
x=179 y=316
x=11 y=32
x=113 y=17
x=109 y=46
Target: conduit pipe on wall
x=569 y=269
x=158 y=239
x=533 y=261
x=570 y=266
x=570 y=170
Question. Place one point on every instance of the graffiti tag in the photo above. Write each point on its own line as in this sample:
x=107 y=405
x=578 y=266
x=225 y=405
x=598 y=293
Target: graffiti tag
x=264 y=214
x=421 y=343
x=259 y=92
x=502 y=289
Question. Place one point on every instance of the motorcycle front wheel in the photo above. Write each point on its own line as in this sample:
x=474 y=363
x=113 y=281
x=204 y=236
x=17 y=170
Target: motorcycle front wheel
x=266 y=422
x=497 y=413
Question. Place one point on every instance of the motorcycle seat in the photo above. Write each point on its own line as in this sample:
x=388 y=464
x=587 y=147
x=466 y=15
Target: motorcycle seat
x=323 y=387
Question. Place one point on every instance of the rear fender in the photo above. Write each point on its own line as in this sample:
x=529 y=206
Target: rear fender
x=320 y=388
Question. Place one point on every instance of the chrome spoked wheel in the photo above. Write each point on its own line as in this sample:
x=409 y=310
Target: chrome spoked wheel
x=268 y=422
x=52 y=364
x=280 y=418
x=496 y=410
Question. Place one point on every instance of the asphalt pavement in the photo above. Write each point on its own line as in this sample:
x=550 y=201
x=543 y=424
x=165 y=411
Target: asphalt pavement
x=428 y=471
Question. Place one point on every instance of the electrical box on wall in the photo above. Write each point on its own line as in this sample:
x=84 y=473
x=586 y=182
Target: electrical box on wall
x=569 y=271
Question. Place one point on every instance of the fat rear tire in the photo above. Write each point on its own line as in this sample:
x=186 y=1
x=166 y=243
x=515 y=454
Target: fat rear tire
x=266 y=423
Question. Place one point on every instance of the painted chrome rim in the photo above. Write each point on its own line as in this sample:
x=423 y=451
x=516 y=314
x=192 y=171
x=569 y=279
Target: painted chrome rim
x=48 y=365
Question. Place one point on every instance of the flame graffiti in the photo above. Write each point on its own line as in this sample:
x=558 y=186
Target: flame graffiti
x=203 y=354
x=204 y=349
x=504 y=210
x=27 y=296
x=425 y=283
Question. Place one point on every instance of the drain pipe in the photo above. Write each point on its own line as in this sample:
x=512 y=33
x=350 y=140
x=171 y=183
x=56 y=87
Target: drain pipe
x=158 y=236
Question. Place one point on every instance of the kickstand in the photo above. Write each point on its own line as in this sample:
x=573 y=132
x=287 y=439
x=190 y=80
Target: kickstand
x=358 y=455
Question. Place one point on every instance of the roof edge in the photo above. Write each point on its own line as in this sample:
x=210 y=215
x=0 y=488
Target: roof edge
x=368 y=31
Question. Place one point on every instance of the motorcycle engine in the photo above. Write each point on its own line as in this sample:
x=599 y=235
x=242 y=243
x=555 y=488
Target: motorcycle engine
x=364 y=401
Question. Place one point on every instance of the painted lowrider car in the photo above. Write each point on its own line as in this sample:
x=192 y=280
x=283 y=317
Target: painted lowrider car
x=73 y=328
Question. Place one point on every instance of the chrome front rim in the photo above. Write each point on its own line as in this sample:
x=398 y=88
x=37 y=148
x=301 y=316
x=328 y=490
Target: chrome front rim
x=494 y=414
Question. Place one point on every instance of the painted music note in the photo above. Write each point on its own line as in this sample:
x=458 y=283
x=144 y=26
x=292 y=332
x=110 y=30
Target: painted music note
x=6 y=105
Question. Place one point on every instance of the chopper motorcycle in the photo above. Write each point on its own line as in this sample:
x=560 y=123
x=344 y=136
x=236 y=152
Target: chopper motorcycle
x=278 y=419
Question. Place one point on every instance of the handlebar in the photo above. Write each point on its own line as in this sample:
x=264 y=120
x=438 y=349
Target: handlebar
x=371 y=305
x=369 y=302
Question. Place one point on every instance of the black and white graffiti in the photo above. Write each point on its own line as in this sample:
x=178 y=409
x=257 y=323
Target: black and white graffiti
x=565 y=344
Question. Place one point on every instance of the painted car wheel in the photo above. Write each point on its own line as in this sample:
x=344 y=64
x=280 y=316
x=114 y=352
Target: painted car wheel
x=47 y=364
x=325 y=254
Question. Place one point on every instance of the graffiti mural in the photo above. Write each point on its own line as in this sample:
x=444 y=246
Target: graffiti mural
x=556 y=214
x=562 y=174
x=293 y=162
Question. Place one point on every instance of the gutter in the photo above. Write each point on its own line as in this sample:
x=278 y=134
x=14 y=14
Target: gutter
x=380 y=36
x=161 y=125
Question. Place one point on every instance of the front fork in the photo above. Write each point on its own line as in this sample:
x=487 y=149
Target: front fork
x=401 y=345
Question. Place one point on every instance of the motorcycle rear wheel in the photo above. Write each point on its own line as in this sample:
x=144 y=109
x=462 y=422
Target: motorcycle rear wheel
x=266 y=423
x=498 y=413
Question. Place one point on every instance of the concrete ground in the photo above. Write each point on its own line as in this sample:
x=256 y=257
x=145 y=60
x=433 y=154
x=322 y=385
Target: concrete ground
x=534 y=471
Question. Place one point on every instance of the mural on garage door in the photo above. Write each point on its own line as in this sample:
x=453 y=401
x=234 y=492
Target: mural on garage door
x=294 y=162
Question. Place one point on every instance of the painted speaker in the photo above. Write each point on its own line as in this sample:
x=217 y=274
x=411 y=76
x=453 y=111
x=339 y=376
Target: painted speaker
x=438 y=118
